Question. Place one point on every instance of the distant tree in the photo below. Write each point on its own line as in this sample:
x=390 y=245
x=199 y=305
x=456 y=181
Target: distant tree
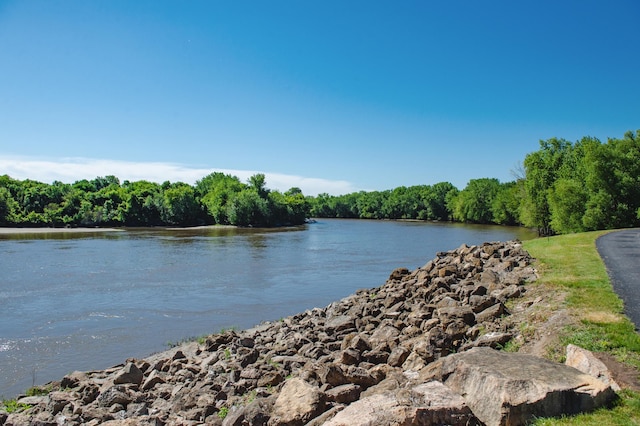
x=180 y=206
x=297 y=206
x=258 y=183
x=293 y=191
x=321 y=205
x=248 y=208
x=7 y=206
x=145 y=204
x=215 y=191
x=104 y=182
x=370 y=204
x=437 y=203
x=474 y=203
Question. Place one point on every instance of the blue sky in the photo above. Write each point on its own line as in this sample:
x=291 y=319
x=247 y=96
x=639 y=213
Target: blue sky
x=330 y=96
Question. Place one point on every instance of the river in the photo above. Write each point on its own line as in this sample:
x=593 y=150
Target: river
x=83 y=301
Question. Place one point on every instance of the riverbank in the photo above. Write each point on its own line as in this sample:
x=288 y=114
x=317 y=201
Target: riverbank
x=367 y=345
x=15 y=231
x=80 y=230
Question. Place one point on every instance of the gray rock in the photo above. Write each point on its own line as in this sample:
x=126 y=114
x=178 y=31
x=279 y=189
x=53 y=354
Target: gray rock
x=586 y=362
x=512 y=389
x=114 y=395
x=494 y=340
x=426 y=404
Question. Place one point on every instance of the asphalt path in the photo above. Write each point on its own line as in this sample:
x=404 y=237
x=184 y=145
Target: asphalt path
x=620 y=251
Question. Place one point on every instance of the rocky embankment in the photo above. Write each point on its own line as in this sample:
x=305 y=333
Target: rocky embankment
x=419 y=350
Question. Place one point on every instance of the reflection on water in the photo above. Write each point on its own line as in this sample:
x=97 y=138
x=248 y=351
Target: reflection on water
x=80 y=301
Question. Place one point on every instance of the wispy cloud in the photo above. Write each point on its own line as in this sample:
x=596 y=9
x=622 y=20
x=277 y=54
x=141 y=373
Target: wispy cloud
x=69 y=170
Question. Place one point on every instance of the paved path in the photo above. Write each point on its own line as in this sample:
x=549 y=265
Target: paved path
x=620 y=251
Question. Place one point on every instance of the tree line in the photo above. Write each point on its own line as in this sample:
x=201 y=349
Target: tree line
x=563 y=187
x=104 y=201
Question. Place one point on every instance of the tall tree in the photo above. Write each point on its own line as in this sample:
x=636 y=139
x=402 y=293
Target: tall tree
x=541 y=168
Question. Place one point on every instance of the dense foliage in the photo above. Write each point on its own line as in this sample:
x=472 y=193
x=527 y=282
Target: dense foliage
x=482 y=201
x=104 y=201
x=587 y=185
x=565 y=187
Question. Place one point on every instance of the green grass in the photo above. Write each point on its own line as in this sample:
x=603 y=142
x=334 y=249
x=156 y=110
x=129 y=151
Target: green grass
x=224 y=412
x=200 y=339
x=38 y=390
x=12 y=406
x=571 y=264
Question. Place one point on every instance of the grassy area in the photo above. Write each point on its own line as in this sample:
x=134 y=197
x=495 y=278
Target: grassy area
x=571 y=264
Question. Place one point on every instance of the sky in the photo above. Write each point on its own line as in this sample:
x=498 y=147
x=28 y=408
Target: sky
x=329 y=96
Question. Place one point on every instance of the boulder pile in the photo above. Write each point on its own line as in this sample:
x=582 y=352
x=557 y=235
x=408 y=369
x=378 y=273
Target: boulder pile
x=419 y=350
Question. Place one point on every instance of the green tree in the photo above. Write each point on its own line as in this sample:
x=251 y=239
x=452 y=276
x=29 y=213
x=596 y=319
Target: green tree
x=298 y=207
x=506 y=204
x=613 y=179
x=215 y=191
x=145 y=204
x=438 y=201
x=541 y=168
x=321 y=205
x=7 y=207
x=370 y=204
x=567 y=202
x=258 y=183
x=247 y=208
x=474 y=203
x=180 y=206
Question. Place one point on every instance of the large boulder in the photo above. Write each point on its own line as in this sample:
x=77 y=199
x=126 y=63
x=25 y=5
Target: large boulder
x=504 y=388
x=423 y=405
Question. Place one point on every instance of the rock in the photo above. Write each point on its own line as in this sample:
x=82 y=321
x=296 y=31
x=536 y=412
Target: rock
x=339 y=323
x=297 y=403
x=344 y=394
x=426 y=404
x=359 y=376
x=114 y=395
x=586 y=362
x=271 y=378
x=153 y=379
x=386 y=334
x=72 y=380
x=58 y=400
x=511 y=389
x=359 y=343
x=398 y=274
x=398 y=356
x=465 y=313
x=491 y=313
x=495 y=340
x=130 y=373
x=349 y=356
x=332 y=375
